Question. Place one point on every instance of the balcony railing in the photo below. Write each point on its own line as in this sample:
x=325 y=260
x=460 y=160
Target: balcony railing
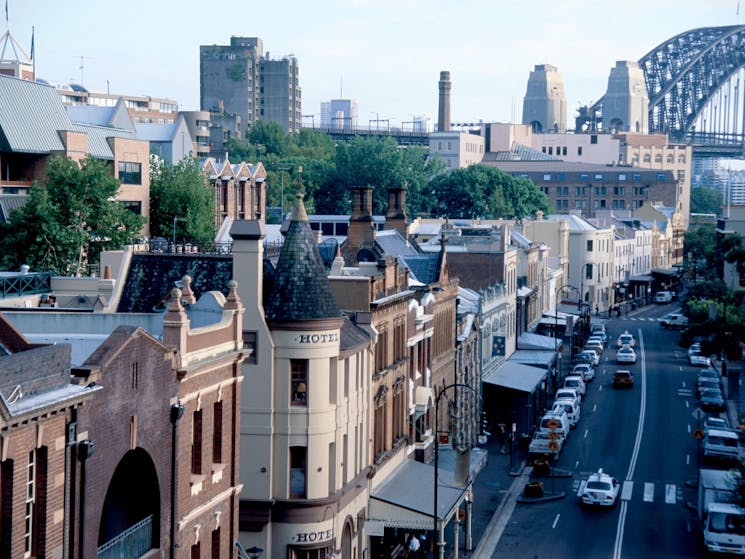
x=132 y=543
x=25 y=284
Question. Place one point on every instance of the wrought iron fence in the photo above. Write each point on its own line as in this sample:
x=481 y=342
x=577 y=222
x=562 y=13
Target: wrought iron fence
x=135 y=541
x=25 y=284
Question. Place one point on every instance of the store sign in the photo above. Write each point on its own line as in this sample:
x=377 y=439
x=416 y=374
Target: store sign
x=317 y=338
x=311 y=537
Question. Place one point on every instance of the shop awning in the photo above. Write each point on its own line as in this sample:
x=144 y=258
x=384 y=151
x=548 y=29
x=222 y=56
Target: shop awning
x=406 y=498
x=528 y=340
x=533 y=357
x=516 y=376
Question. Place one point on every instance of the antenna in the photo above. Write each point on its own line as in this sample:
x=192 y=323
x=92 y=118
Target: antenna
x=341 y=87
x=82 y=68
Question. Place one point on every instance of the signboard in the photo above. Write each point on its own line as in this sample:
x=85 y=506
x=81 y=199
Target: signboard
x=497 y=346
x=553 y=424
x=553 y=446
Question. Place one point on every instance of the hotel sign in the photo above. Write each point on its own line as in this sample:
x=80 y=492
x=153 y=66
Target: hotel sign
x=315 y=536
x=314 y=339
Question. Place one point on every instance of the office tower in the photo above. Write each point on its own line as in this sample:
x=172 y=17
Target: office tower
x=339 y=114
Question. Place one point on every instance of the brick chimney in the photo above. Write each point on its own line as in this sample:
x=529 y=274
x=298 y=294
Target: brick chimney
x=443 y=113
x=395 y=216
x=361 y=225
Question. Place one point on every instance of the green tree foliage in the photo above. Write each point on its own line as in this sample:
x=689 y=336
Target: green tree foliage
x=706 y=201
x=271 y=136
x=181 y=191
x=69 y=219
x=485 y=192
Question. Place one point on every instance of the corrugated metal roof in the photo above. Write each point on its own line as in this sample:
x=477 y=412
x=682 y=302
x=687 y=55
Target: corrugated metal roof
x=31 y=114
x=155 y=132
x=98 y=145
x=90 y=114
x=10 y=202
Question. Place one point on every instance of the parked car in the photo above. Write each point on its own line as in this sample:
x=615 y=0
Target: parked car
x=599 y=489
x=708 y=373
x=712 y=400
x=568 y=393
x=585 y=370
x=623 y=378
x=674 y=320
x=575 y=382
x=559 y=418
x=721 y=443
x=699 y=360
x=719 y=423
x=570 y=407
x=695 y=348
x=708 y=383
x=593 y=357
x=542 y=446
x=595 y=345
x=598 y=329
x=602 y=339
x=662 y=297
x=626 y=355
x=626 y=339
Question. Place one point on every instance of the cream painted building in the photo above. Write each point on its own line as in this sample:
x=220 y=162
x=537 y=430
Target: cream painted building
x=305 y=425
x=457 y=149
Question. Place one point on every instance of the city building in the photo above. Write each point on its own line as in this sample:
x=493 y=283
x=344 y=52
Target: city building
x=625 y=103
x=239 y=79
x=457 y=149
x=35 y=126
x=339 y=114
x=15 y=61
x=239 y=190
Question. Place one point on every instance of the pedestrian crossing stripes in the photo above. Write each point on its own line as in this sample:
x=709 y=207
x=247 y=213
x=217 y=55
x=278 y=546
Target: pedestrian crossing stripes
x=669 y=493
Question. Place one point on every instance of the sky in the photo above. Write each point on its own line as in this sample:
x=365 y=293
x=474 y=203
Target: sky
x=386 y=54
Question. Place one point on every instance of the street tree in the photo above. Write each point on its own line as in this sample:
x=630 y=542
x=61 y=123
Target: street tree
x=69 y=219
x=181 y=200
x=706 y=201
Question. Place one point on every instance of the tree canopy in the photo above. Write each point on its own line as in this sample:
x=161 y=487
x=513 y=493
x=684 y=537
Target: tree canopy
x=180 y=192
x=485 y=192
x=68 y=219
x=706 y=201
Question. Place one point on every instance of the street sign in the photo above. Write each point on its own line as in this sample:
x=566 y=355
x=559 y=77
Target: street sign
x=698 y=414
x=553 y=435
x=553 y=446
x=553 y=424
x=699 y=434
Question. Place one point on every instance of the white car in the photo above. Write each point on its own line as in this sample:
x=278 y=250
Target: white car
x=599 y=489
x=626 y=355
x=626 y=339
x=695 y=348
x=602 y=339
x=585 y=370
x=597 y=345
x=570 y=393
x=576 y=382
x=592 y=356
x=699 y=360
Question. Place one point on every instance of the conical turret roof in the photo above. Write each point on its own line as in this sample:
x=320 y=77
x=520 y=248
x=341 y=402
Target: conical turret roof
x=301 y=289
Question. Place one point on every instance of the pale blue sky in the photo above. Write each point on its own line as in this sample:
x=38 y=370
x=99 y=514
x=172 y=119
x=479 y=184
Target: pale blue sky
x=387 y=54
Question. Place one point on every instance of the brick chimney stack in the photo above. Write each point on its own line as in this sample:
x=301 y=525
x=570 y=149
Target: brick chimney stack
x=395 y=216
x=361 y=225
x=443 y=114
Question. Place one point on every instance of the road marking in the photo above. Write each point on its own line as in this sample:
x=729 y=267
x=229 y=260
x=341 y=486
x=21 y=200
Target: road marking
x=687 y=405
x=688 y=459
x=648 y=492
x=576 y=464
x=587 y=432
x=684 y=384
x=600 y=388
x=619 y=531
x=627 y=490
x=685 y=392
x=670 y=493
x=595 y=407
x=556 y=521
x=689 y=428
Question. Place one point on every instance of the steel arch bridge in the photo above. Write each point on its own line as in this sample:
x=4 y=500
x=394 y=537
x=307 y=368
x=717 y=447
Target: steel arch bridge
x=696 y=88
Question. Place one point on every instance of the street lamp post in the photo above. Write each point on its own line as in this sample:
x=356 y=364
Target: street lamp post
x=175 y=219
x=481 y=439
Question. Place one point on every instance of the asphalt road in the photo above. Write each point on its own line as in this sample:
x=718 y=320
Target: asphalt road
x=644 y=438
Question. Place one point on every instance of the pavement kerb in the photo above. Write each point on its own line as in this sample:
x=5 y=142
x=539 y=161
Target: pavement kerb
x=501 y=516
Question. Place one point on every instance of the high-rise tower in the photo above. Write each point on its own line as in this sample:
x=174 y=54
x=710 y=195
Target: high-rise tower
x=545 y=105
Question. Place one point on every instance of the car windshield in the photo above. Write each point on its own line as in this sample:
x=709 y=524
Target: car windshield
x=598 y=485
x=724 y=522
x=712 y=393
x=627 y=350
x=723 y=441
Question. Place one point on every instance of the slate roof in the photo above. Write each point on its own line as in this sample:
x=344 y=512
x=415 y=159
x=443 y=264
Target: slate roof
x=519 y=152
x=10 y=202
x=424 y=267
x=301 y=289
x=31 y=113
x=393 y=243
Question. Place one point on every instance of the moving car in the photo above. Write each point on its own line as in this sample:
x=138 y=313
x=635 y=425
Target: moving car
x=712 y=400
x=626 y=339
x=599 y=489
x=576 y=382
x=585 y=370
x=674 y=320
x=662 y=297
x=623 y=378
x=626 y=355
